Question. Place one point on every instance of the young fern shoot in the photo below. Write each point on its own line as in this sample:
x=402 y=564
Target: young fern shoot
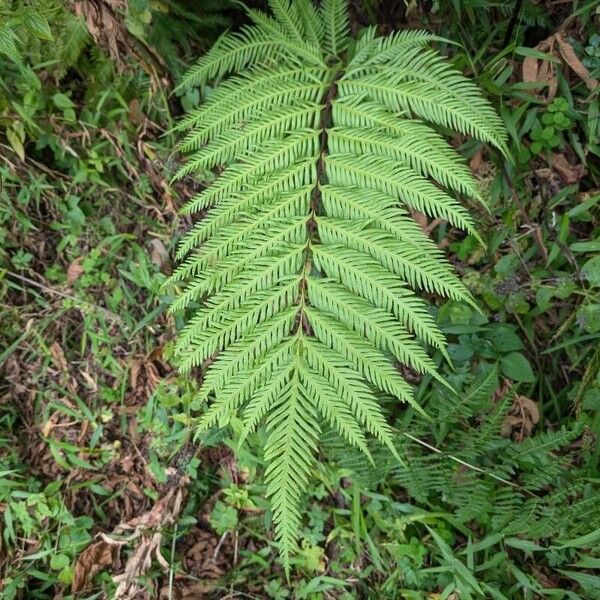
x=307 y=274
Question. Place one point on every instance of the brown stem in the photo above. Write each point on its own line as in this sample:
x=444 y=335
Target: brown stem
x=315 y=201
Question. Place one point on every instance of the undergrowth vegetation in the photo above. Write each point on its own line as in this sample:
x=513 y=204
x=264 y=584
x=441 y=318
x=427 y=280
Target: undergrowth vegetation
x=109 y=488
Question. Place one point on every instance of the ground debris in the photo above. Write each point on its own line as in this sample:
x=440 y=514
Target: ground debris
x=146 y=531
x=521 y=420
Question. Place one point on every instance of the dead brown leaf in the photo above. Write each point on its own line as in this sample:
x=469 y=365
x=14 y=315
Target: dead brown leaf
x=421 y=219
x=146 y=529
x=530 y=69
x=135 y=113
x=137 y=564
x=206 y=556
x=543 y=71
x=58 y=357
x=49 y=425
x=568 y=172
x=522 y=418
x=104 y=25
x=147 y=371
x=75 y=270
x=162 y=513
x=105 y=20
x=477 y=162
x=186 y=590
x=574 y=63
x=159 y=256
x=134 y=374
x=93 y=559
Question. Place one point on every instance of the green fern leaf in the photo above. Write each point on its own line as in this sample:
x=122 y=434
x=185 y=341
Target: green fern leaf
x=306 y=277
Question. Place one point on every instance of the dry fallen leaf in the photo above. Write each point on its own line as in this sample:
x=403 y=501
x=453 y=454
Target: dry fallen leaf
x=162 y=513
x=421 y=219
x=186 y=590
x=108 y=31
x=49 y=425
x=543 y=71
x=574 y=63
x=137 y=564
x=135 y=113
x=477 y=162
x=93 y=559
x=107 y=26
x=159 y=256
x=147 y=530
x=58 y=357
x=568 y=172
x=147 y=371
x=530 y=69
x=136 y=368
x=75 y=270
x=524 y=415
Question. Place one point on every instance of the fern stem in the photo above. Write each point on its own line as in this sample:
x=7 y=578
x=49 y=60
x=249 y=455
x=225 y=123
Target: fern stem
x=316 y=200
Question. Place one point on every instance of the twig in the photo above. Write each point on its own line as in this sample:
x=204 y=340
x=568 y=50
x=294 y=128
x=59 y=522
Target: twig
x=171 y=570
x=107 y=313
x=218 y=548
x=466 y=464
x=37 y=164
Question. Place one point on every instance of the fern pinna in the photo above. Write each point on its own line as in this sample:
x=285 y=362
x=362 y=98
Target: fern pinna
x=306 y=273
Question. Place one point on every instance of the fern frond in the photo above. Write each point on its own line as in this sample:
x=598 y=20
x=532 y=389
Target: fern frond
x=262 y=402
x=231 y=52
x=375 y=324
x=297 y=49
x=313 y=25
x=374 y=208
x=213 y=278
x=474 y=400
x=334 y=409
x=379 y=50
x=334 y=14
x=259 y=275
x=259 y=190
x=252 y=170
x=260 y=99
x=419 y=270
x=409 y=142
x=231 y=235
x=293 y=431
x=236 y=90
x=392 y=178
x=289 y=16
x=241 y=355
x=305 y=276
x=373 y=364
x=349 y=386
x=243 y=384
x=274 y=123
x=200 y=343
x=421 y=82
x=370 y=280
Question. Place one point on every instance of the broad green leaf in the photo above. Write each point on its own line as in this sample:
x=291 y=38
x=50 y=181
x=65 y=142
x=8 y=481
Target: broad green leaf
x=516 y=367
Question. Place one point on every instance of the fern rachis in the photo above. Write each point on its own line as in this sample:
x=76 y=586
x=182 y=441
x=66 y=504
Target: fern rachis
x=308 y=266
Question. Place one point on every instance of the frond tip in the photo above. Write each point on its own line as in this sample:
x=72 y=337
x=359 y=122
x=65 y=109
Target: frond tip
x=309 y=270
